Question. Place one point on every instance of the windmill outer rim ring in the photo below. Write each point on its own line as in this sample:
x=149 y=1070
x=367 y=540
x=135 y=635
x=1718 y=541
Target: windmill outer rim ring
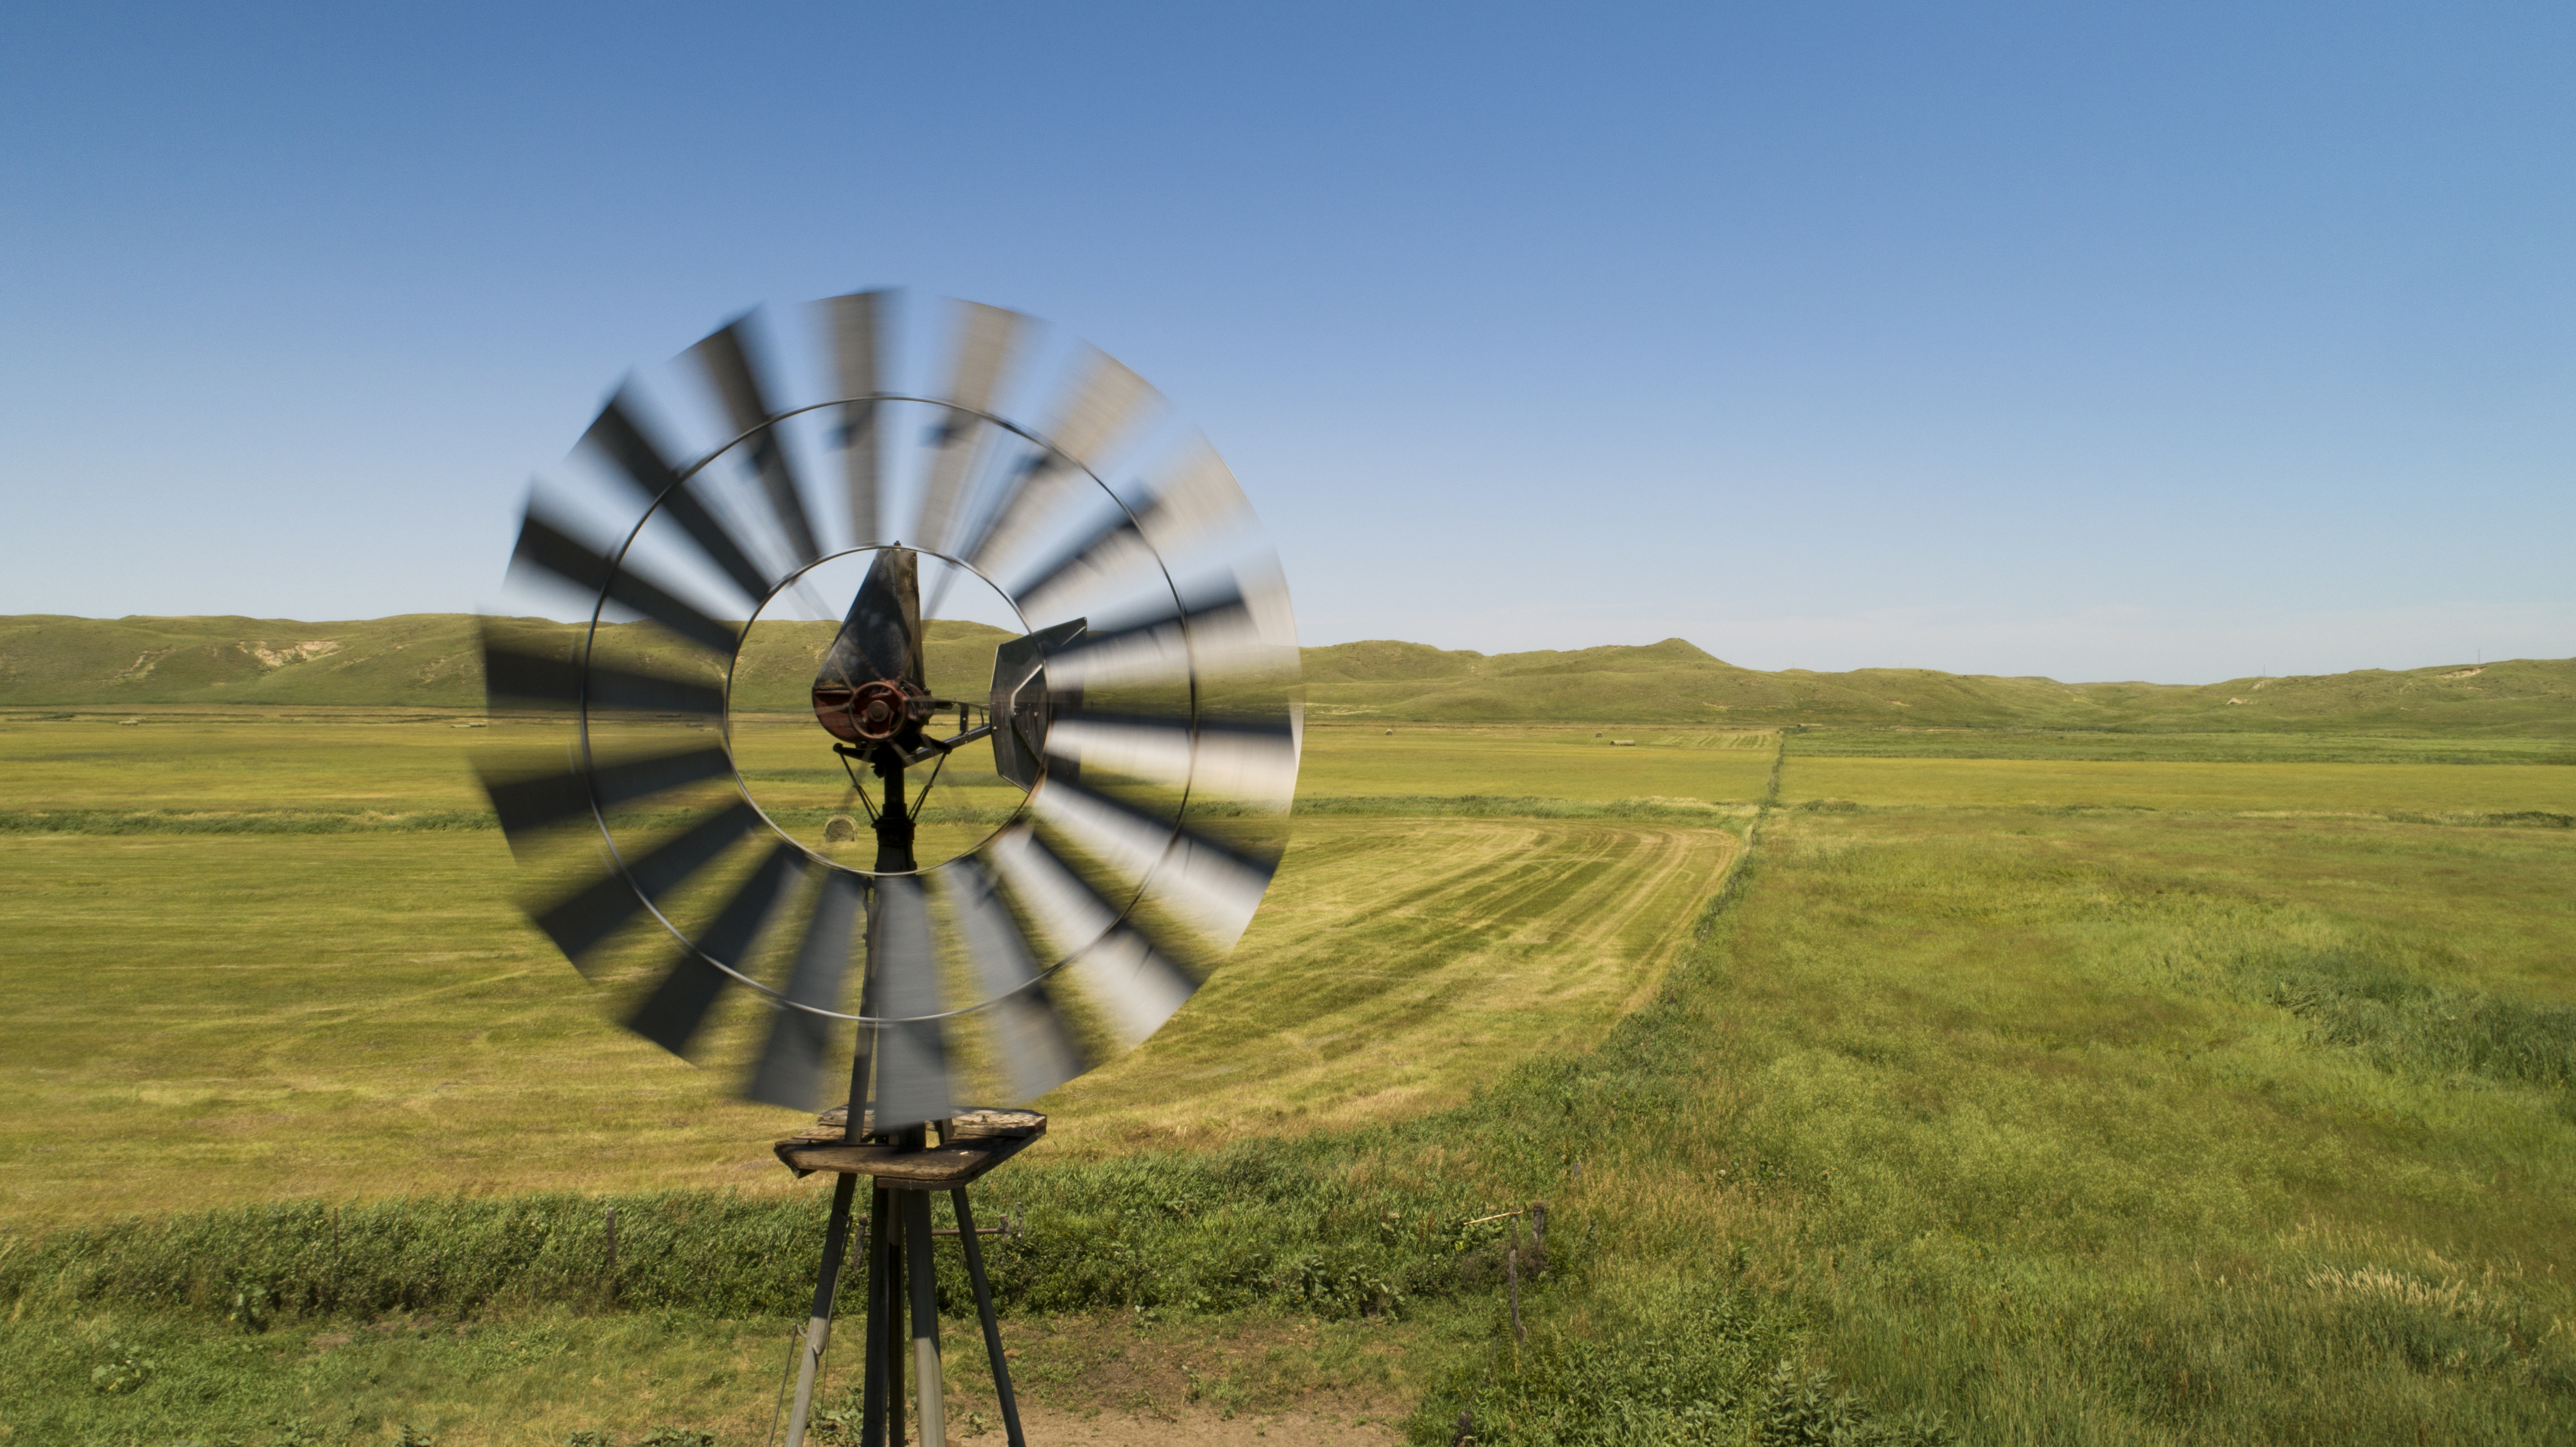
x=617 y=858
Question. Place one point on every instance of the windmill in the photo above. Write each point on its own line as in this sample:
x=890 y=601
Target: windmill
x=1068 y=706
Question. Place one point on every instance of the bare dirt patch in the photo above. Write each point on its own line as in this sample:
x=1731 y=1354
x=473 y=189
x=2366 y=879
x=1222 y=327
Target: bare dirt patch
x=306 y=651
x=1117 y=1379
x=1198 y=1425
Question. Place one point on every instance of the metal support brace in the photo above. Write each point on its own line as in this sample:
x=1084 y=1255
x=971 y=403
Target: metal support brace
x=872 y=1402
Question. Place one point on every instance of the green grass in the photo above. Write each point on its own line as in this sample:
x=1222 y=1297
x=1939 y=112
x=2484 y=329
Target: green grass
x=431 y=660
x=182 y=764
x=324 y=998
x=1370 y=993
x=227 y=1018
x=2210 y=788
x=1556 y=763
x=540 y=1377
x=2107 y=746
x=2132 y=1130
x=2037 y=1099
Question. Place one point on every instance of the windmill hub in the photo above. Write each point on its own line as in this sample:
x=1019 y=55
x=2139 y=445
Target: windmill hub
x=871 y=713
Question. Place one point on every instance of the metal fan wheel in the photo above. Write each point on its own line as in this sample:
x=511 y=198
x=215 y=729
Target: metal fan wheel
x=1092 y=908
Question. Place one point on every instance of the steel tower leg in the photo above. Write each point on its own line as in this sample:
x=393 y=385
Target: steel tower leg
x=984 y=1309
x=928 y=1383
x=818 y=1328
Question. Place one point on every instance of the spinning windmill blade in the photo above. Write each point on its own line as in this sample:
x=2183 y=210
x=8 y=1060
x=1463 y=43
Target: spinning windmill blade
x=1152 y=753
x=860 y=328
x=989 y=340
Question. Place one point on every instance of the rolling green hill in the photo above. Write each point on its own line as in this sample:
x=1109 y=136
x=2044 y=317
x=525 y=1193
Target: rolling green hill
x=1675 y=682
x=416 y=660
x=428 y=660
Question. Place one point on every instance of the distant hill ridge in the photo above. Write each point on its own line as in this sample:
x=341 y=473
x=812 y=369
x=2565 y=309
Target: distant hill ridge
x=432 y=660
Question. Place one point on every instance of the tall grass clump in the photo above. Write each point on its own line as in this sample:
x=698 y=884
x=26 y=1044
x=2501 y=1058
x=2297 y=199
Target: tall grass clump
x=2368 y=1000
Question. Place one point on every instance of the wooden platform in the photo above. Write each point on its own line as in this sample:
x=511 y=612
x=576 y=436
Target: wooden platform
x=977 y=1141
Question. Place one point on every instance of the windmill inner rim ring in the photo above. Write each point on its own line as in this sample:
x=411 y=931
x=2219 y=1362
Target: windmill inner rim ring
x=735 y=662
x=590 y=636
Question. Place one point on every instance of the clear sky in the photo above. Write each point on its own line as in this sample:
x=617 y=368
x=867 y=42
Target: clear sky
x=2156 y=341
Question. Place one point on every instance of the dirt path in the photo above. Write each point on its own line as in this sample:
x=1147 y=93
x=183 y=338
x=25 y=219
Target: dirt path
x=1198 y=1428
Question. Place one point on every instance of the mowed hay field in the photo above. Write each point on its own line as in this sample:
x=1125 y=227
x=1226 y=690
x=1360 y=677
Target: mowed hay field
x=2151 y=1098
x=1401 y=962
x=282 y=958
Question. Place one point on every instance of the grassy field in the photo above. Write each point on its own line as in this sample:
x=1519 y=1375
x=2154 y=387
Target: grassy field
x=1370 y=990
x=2134 y=1130
x=184 y=761
x=364 y=1013
x=2038 y=1098
x=2150 y=784
x=2130 y=746
x=1553 y=763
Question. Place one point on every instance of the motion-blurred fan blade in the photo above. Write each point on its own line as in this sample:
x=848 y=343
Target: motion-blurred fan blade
x=1194 y=501
x=1215 y=884
x=1159 y=628
x=1114 y=961
x=881 y=639
x=581 y=920
x=727 y=359
x=1161 y=645
x=547 y=547
x=1225 y=757
x=528 y=802
x=1236 y=625
x=1029 y=1040
x=532 y=801
x=912 y=1054
x=1107 y=403
x=862 y=328
x=1111 y=547
x=1101 y=410
x=671 y=1015
x=559 y=683
x=988 y=340
x=791 y=1064
x=622 y=441
x=1023 y=701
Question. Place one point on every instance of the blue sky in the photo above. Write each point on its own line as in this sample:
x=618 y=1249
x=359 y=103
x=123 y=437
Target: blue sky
x=2161 y=342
